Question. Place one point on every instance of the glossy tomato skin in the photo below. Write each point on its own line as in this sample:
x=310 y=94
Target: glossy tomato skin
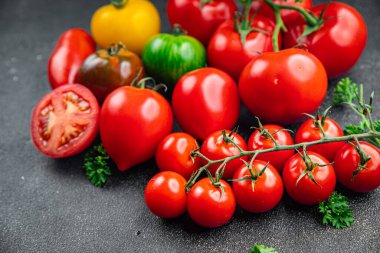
x=266 y=193
x=72 y=48
x=207 y=206
x=65 y=121
x=133 y=122
x=200 y=21
x=340 y=41
x=173 y=154
x=346 y=162
x=215 y=148
x=226 y=51
x=165 y=195
x=205 y=101
x=309 y=132
x=258 y=141
x=306 y=192
x=279 y=87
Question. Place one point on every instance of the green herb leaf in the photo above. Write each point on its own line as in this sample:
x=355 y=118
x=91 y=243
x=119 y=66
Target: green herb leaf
x=345 y=92
x=362 y=128
x=96 y=166
x=259 y=248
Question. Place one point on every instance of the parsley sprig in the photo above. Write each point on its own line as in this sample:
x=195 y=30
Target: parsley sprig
x=96 y=166
x=259 y=248
x=345 y=92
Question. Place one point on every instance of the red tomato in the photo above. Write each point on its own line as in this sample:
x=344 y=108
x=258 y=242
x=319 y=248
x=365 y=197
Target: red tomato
x=133 y=122
x=347 y=161
x=215 y=148
x=340 y=41
x=173 y=154
x=204 y=101
x=200 y=18
x=306 y=192
x=72 y=48
x=259 y=141
x=207 y=206
x=65 y=121
x=309 y=132
x=165 y=195
x=279 y=87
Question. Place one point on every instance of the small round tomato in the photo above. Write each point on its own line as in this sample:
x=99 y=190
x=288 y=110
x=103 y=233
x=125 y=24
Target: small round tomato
x=207 y=206
x=65 y=121
x=260 y=193
x=173 y=154
x=260 y=139
x=215 y=147
x=305 y=191
x=348 y=160
x=165 y=195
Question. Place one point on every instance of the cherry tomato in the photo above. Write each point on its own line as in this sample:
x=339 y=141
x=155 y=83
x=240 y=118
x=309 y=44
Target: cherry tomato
x=279 y=87
x=207 y=206
x=204 y=101
x=65 y=121
x=260 y=194
x=306 y=191
x=173 y=154
x=165 y=195
x=72 y=48
x=215 y=148
x=347 y=161
x=261 y=140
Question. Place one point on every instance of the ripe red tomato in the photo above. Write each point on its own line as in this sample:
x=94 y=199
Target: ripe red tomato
x=307 y=192
x=165 y=195
x=261 y=194
x=215 y=148
x=65 y=121
x=207 y=206
x=72 y=48
x=347 y=161
x=173 y=154
x=340 y=41
x=200 y=18
x=279 y=87
x=204 y=101
x=133 y=122
x=259 y=141
x=309 y=131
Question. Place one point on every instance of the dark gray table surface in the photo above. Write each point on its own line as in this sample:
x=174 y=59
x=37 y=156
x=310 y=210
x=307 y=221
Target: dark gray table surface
x=48 y=205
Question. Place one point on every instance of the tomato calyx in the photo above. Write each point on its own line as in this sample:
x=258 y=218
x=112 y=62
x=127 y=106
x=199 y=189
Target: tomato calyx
x=147 y=83
x=320 y=120
x=118 y=3
x=203 y=3
x=115 y=48
x=310 y=165
x=364 y=158
x=254 y=174
x=178 y=30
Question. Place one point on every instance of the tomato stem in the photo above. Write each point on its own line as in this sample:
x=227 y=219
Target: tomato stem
x=114 y=49
x=118 y=3
x=178 y=30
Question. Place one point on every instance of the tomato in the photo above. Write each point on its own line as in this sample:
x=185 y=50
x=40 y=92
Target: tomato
x=173 y=154
x=200 y=18
x=72 y=48
x=261 y=193
x=133 y=121
x=261 y=140
x=339 y=42
x=279 y=87
x=207 y=206
x=107 y=70
x=65 y=121
x=307 y=192
x=205 y=101
x=347 y=161
x=131 y=22
x=309 y=132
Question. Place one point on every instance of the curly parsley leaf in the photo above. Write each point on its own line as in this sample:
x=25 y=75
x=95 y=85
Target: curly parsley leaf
x=259 y=248
x=362 y=128
x=376 y=124
x=96 y=166
x=345 y=92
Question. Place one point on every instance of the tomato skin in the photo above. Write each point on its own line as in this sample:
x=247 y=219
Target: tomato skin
x=279 y=87
x=72 y=48
x=346 y=162
x=173 y=154
x=215 y=148
x=306 y=192
x=206 y=205
x=204 y=101
x=200 y=22
x=267 y=192
x=165 y=195
x=133 y=122
x=340 y=41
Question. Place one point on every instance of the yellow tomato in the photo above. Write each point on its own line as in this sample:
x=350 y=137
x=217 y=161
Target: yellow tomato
x=132 y=22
